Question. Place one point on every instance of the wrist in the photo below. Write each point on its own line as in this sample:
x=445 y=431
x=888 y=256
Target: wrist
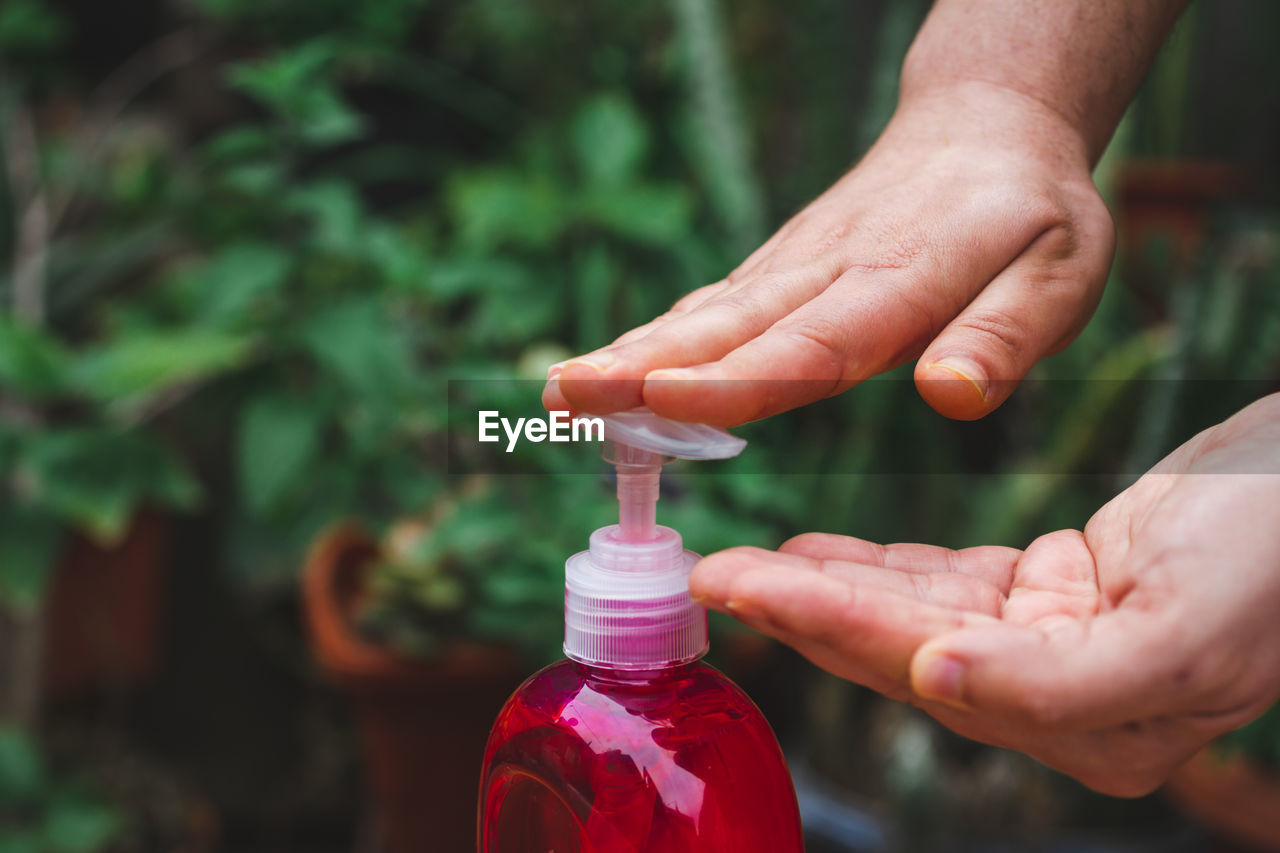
x=992 y=118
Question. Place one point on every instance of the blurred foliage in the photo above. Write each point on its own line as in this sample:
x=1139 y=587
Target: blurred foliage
x=45 y=813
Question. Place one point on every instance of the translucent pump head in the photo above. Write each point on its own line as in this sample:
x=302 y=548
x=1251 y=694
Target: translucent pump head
x=627 y=601
x=643 y=430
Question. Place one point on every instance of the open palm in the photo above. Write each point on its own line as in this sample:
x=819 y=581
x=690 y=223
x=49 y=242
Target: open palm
x=1112 y=653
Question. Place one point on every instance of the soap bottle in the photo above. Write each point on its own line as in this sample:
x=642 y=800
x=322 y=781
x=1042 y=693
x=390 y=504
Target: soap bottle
x=632 y=744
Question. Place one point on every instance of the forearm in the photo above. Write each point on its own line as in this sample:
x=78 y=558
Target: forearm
x=1080 y=60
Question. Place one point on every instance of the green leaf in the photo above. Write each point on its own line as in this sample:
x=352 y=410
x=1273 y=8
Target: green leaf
x=323 y=118
x=76 y=824
x=24 y=840
x=278 y=442
x=30 y=362
x=31 y=543
x=295 y=84
x=401 y=263
x=358 y=341
x=239 y=143
x=255 y=179
x=456 y=278
x=658 y=214
x=94 y=480
x=22 y=776
x=498 y=206
x=336 y=215
x=595 y=282
x=610 y=140
x=517 y=316
x=29 y=27
x=238 y=278
x=151 y=362
x=279 y=78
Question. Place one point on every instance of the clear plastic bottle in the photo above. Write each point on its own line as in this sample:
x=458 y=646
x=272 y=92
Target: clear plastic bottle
x=632 y=745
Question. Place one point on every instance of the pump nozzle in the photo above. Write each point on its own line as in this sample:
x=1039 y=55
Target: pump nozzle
x=639 y=472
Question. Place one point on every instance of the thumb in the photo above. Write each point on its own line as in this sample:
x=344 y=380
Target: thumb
x=1033 y=308
x=1068 y=676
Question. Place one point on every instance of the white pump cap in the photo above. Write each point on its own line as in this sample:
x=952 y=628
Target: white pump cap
x=627 y=603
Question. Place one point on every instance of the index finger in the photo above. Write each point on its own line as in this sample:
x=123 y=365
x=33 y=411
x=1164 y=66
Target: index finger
x=866 y=633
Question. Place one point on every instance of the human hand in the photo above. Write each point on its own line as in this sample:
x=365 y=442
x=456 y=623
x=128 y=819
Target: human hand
x=971 y=233
x=1111 y=654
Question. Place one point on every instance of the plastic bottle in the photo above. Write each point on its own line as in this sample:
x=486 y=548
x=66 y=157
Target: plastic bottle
x=632 y=745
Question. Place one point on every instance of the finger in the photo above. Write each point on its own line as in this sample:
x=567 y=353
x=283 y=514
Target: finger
x=612 y=379
x=871 y=629
x=690 y=301
x=1063 y=675
x=993 y=564
x=872 y=318
x=1031 y=309
x=553 y=399
x=955 y=590
x=1056 y=576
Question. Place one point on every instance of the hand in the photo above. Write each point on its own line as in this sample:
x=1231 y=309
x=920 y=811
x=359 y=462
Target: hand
x=971 y=233
x=1112 y=655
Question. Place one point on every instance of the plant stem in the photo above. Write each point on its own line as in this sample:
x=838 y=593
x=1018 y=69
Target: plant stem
x=31 y=233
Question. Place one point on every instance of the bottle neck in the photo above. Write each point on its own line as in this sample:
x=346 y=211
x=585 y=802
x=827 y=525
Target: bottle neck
x=601 y=672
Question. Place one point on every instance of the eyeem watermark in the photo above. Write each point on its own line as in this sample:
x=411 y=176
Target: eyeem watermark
x=559 y=427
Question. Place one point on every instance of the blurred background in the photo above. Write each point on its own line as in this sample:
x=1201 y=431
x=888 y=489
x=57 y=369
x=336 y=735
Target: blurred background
x=245 y=602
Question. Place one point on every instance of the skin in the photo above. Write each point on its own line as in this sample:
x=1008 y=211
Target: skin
x=1112 y=654
x=970 y=236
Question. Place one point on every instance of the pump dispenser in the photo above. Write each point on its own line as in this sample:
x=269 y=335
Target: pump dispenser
x=632 y=745
x=627 y=601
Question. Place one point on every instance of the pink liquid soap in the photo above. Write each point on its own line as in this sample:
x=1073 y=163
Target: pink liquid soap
x=590 y=760
x=633 y=745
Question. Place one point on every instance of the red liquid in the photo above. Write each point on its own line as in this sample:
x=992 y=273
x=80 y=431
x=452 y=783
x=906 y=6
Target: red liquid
x=587 y=760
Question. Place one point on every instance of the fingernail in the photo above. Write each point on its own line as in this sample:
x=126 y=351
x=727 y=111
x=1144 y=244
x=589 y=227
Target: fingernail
x=599 y=361
x=744 y=610
x=940 y=677
x=711 y=603
x=966 y=369
x=555 y=370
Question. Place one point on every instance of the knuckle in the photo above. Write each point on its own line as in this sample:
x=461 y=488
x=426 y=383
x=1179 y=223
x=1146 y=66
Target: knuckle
x=825 y=336
x=1044 y=210
x=1059 y=242
x=746 y=308
x=997 y=327
x=829 y=237
x=896 y=251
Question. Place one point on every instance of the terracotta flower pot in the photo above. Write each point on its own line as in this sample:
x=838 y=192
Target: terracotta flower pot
x=422 y=724
x=102 y=613
x=1236 y=799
